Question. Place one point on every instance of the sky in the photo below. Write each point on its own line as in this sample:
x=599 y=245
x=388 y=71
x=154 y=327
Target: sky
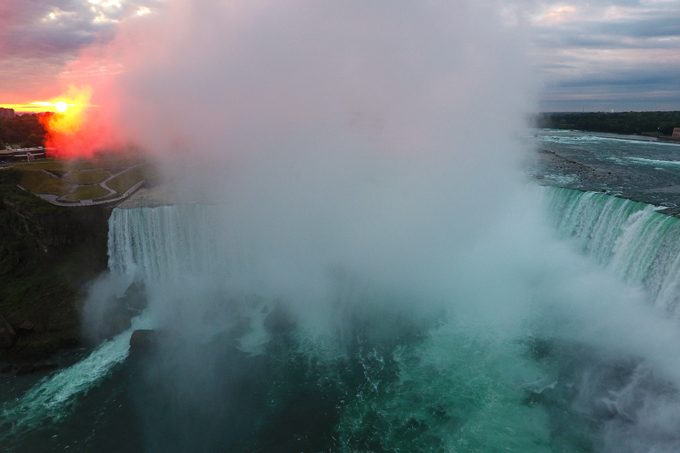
x=597 y=55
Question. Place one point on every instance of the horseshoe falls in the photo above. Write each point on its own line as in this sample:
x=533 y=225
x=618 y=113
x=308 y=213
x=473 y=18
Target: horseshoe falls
x=441 y=378
x=349 y=252
x=633 y=239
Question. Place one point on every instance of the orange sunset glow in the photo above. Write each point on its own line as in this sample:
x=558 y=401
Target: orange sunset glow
x=65 y=118
x=69 y=111
x=70 y=106
x=75 y=97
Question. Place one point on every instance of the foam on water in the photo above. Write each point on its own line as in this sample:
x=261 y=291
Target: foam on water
x=564 y=137
x=461 y=387
x=147 y=244
x=561 y=180
x=655 y=162
x=459 y=390
x=50 y=399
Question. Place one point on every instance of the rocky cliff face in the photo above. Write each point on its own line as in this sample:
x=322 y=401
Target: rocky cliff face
x=47 y=254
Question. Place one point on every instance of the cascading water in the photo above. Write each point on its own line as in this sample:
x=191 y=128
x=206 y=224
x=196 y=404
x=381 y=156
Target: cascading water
x=457 y=410
x=49 y=400
x=159 y=243
x=637 y=406
x=636 y=241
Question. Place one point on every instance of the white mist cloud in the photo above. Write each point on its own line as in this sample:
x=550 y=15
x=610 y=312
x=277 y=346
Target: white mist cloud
x=379 y=138
x=370 y=140
x=356 y=155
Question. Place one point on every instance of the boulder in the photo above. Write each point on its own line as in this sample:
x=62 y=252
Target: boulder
x=7 y=334
x=26 y=327
x=142 y=340
x=135 y=298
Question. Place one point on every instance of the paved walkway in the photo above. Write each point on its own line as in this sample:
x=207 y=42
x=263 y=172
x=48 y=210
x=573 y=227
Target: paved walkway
x=54 y=199
x=57 y=200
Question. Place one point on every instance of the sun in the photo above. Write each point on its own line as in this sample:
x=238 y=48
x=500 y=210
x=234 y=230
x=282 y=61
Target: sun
x=61 y=106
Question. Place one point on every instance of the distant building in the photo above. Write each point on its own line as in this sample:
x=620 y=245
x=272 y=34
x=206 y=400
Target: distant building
x=22 y=154
x=6 y=113
x=676 y=133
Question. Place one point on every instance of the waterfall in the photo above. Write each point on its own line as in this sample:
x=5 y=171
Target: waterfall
x=158 y=244
x=631 y=238
x=162 y=242
x=634 y=240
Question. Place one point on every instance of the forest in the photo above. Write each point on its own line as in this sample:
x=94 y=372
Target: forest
x=21 y=131
x=647 y=123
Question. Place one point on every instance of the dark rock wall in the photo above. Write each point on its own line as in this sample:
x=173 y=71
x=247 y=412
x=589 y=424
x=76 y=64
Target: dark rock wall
x=47 y=255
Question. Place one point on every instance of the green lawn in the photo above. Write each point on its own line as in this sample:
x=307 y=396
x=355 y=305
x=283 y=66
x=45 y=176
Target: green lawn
x=49 y=164
x=93 y=176
x=114 y=162
x=38 y=181
x=86 y=193
x=58 y=177
x=124 y=181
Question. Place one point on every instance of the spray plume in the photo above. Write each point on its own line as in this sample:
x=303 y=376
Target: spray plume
x=351 y=136
x=354 y=155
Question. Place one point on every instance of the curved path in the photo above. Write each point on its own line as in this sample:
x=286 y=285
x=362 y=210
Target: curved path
x=54 y=199
x=57 y=200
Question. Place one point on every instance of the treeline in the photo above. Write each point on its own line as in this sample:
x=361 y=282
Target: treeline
x=21 y=131
x=648 y=123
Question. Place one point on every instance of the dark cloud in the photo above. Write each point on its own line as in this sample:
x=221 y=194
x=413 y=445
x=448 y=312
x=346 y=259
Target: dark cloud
x=632 y=89
x=28 y=30
x=39 y=37
x=585 y=45
x=609 y=54
x=652 y=26
x=647 y=30
x=661 y=79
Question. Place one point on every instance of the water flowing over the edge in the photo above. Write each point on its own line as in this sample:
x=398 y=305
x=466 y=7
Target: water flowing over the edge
x=153 y=244
x=638 y=243
x=159 y=243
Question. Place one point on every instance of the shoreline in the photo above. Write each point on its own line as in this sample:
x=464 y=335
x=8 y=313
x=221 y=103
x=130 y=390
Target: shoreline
x=646 y=184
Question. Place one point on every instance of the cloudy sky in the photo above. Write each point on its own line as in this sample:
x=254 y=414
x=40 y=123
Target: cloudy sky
x=592 y=55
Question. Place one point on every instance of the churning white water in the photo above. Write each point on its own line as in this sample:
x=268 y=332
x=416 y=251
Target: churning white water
x=53 y=397
x=163 y=245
